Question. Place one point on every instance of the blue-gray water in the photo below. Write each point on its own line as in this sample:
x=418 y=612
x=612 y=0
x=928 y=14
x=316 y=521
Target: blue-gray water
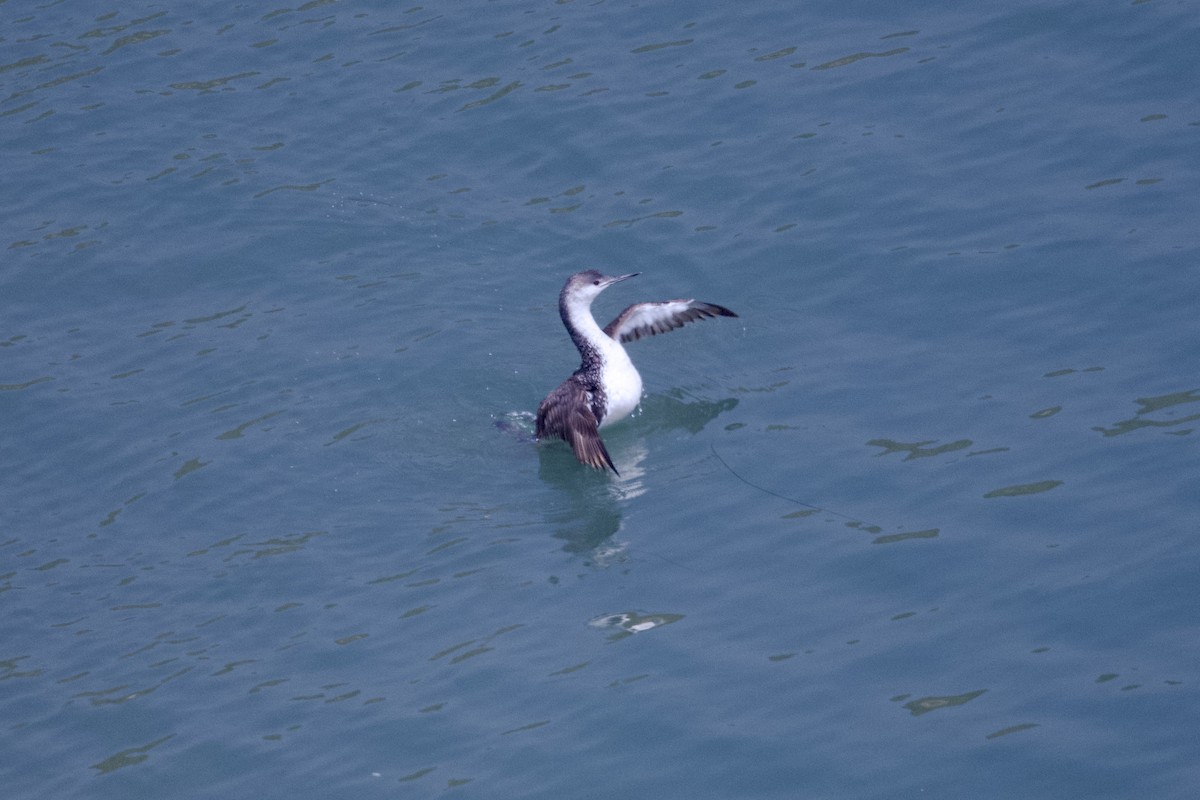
x=922 y=522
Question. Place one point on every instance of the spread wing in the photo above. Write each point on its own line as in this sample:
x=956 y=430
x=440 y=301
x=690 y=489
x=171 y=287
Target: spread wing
x=647 y=319
x=567 y=414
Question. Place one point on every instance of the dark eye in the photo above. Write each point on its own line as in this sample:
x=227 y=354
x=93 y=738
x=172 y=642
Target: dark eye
x=595 y=283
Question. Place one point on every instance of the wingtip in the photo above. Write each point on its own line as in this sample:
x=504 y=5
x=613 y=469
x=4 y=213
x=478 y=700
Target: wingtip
x=590 y=450
x=602 y=460
x=721 y=310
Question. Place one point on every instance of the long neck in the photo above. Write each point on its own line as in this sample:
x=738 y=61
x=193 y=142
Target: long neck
x=585 y=333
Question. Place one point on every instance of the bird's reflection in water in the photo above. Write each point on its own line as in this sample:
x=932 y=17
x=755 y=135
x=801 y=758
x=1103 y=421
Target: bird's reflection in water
x=590 y=514
x=673 y=411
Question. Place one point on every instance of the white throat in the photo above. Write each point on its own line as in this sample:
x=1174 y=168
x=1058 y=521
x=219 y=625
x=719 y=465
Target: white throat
x=620 y=379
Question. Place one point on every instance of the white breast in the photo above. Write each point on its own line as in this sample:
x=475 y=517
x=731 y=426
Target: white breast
x=622 y=385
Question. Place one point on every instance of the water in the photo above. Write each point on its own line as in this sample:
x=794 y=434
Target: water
x=921 y=522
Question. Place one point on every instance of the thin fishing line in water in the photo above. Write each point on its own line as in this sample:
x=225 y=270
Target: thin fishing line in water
x=765 y=490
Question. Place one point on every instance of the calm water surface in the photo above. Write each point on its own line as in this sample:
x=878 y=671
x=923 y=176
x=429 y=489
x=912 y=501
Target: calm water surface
x=279 y=284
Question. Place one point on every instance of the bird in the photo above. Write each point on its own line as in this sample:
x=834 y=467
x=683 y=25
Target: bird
x=606 y=387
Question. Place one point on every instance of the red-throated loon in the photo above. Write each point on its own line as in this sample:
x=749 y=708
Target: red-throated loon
x=606 y=387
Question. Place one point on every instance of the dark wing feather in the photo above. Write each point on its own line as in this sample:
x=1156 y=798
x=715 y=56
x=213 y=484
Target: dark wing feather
x=647 y=319
x=567 y=414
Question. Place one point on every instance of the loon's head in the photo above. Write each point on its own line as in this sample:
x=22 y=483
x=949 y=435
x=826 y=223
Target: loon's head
x=583 y=287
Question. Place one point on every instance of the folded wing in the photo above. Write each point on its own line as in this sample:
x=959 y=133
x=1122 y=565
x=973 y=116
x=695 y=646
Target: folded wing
x=567 y=413
x=647 y=319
